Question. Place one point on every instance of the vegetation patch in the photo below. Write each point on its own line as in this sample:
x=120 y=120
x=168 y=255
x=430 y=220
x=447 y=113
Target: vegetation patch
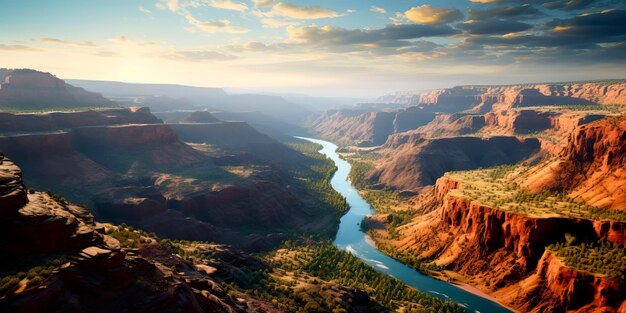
x=325 y=261
x=601 y=257
x=496 y=187
x=318 y=175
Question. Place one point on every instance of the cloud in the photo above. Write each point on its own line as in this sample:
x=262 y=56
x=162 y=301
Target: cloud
x=198 y=56
x=493 y=27
x=380 y=10
x=605 y=26
x=229 y=5
x=275 y=23
x=123 y=40
x=302 y=12
x=18 y=48
x=221 y=26
x=336 y=36
x=172 y=5
x=588 y=31
x=520 y=11
x=426 y=14
x=66 y=42
x=264 y=3
x=568 y=5
x=143 y=10
x=255 y=47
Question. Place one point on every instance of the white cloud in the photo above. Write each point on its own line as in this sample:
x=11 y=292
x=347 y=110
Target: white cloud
x=66 y=42
x=426 y=14
x=229 y=5
x=144 y=10
x=275 y=23
x=18 y=48
x=264 y=3
x=172 y=5
x=220 y=26
x=378 y=10
x=302 y=12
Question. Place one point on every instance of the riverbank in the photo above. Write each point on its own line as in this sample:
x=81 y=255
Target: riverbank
x=350 y=237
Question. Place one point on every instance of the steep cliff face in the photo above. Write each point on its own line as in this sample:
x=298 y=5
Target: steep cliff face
x=29 y=89
x=591 y=166
x=53 y=157
x=561 y=286
x=484 y=98
x=413 y=162
x=365 y=128
x=126 y=146
x=504 y=253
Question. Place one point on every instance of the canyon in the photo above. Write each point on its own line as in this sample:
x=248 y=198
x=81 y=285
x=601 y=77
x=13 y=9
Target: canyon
x=518 y=223
x=130 y=167
x=58 y=258
x=518 y=191
x=126 y=165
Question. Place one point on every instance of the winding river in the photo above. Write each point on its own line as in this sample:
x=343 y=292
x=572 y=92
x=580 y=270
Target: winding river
x=351 y=238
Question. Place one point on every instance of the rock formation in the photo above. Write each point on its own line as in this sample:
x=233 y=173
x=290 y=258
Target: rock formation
x=591 y=167
x=30 y=89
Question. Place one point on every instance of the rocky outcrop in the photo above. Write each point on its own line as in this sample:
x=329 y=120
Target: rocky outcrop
x=30 y=89
x=590 y=167
x=413 y=162
x=12 y=190
x=561 y=286
x=26 y=216
x=98 y=275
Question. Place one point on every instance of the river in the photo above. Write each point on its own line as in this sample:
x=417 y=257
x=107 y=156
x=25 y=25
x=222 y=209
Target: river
x=351 y=238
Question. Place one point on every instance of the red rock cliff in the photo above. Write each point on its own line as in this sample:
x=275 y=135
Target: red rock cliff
x=592 y=166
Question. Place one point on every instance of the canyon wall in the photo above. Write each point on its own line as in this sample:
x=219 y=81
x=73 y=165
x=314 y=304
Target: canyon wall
x=504 y=253
x=413 y=162
x=484 y=98
x=30 y=89
x=130 y=167
x=591 y=167
x=368 y=128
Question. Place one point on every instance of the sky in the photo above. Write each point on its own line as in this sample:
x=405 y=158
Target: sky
x=360 y=48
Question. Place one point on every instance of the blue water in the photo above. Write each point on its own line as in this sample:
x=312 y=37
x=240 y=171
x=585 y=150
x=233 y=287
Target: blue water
x=352 y=239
